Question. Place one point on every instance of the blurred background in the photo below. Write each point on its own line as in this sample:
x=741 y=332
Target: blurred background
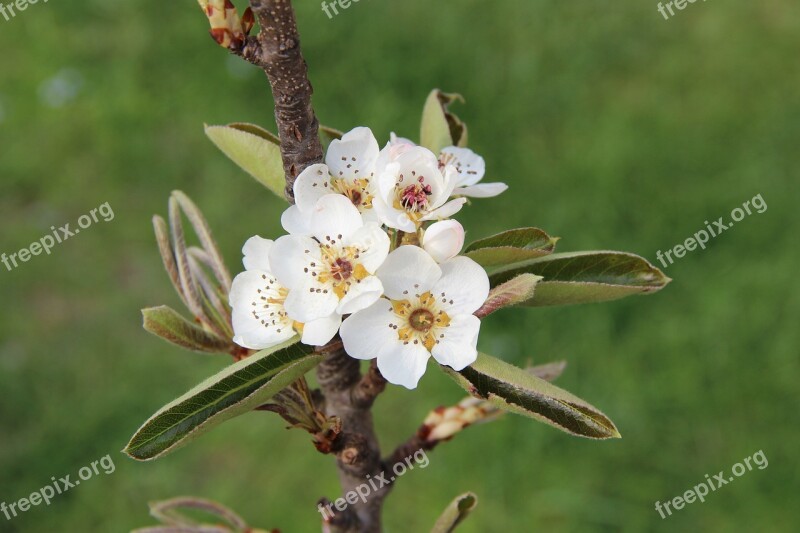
x=615 y=128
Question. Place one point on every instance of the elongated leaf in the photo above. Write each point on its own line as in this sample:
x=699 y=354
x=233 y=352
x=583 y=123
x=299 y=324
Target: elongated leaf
x=513 y=292
x=440 y=128
x=519 y=391
x=455 y=513
x=255 y=129
x=238 y=389
x=511 y=247
x=256 y=154
x=175 y=512
x=584 y=277
x=168 y=324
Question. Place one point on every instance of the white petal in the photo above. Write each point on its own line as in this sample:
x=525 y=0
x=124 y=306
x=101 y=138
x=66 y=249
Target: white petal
x=373 y=245
x=256 y=253
x=470 y=166
x=360 y=295
x=365 y=333
x=311 y=301
x=393 y=149
x=353 y=156
x=311 y=185
x=457 y=349
x=407 y=271
x=403 y=364
x=320 y=332
x=335 y=218
x=464 y=283
x=443 y=240
x=290 y=256
x=256 y=324
x=261 y=338
x=451 y=178
x=482 y=190
x=447 y=210
x=295 y=221
x=419 y=165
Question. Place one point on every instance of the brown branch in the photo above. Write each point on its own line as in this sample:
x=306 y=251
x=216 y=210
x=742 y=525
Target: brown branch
x=344 y=394
x=358 y=454
x=277 y=51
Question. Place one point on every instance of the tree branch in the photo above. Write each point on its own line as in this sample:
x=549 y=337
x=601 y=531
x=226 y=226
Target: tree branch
x=277 y=51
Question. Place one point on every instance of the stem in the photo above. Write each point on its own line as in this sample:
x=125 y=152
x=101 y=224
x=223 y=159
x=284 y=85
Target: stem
x=346 y=394
x=280 y=56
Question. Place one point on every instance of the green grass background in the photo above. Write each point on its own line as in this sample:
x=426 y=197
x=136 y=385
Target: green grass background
x=614 y=128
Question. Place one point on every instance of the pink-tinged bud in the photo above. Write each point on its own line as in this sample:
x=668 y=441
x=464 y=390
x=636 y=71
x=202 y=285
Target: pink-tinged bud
x=443 y=240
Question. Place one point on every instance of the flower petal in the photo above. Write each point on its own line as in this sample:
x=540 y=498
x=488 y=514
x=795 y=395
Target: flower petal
x=470 y=166
x=482 y=190
x=290 y=256
x=443 y=240
x=320 y=332
x=403 y=364
x=295 y=221
x=367 y=332
x=353 y=156
x=408 y=270
x=258 y=322
x=256 y=253
x=447 y=210
x=311 y=185
x=310 y=301
x=334 y=218
x=373 y=245
x=360 y=295
x=464 y=285
x=458 y=347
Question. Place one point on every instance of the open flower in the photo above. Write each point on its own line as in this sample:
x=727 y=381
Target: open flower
x=429 y=312
x=257 y=299
x=331 y=272
x=413 y=189
x=471 y=167
x=349 y=170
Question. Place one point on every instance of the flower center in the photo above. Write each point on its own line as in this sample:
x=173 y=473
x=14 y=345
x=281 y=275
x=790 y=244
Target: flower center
x=421 y=320
x=415 y=197
x=357 y=191
x=341 y=269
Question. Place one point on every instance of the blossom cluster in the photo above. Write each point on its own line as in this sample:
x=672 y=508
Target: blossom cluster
x=371 y=255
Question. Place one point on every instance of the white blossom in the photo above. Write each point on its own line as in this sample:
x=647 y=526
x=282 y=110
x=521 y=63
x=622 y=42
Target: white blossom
x=427 y=311
x=257 y=300
x=331 y=271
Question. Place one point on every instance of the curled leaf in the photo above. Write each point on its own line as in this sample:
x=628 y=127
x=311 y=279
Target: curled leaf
x=513 y=389
x=440 y=128
x=513 y=292
x=510 y=247
x=168 y=324
x=456 y=512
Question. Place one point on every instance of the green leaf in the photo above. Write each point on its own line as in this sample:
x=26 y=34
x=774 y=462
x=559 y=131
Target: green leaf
x=255 y=129
x=510 y=247
x=455 y=513
x=176 y=512
x=168 y=324
x=584 y=277
x=254 y=150
x=521 y=392
x=238 y=389
x=440 y=128
x=513 y=292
